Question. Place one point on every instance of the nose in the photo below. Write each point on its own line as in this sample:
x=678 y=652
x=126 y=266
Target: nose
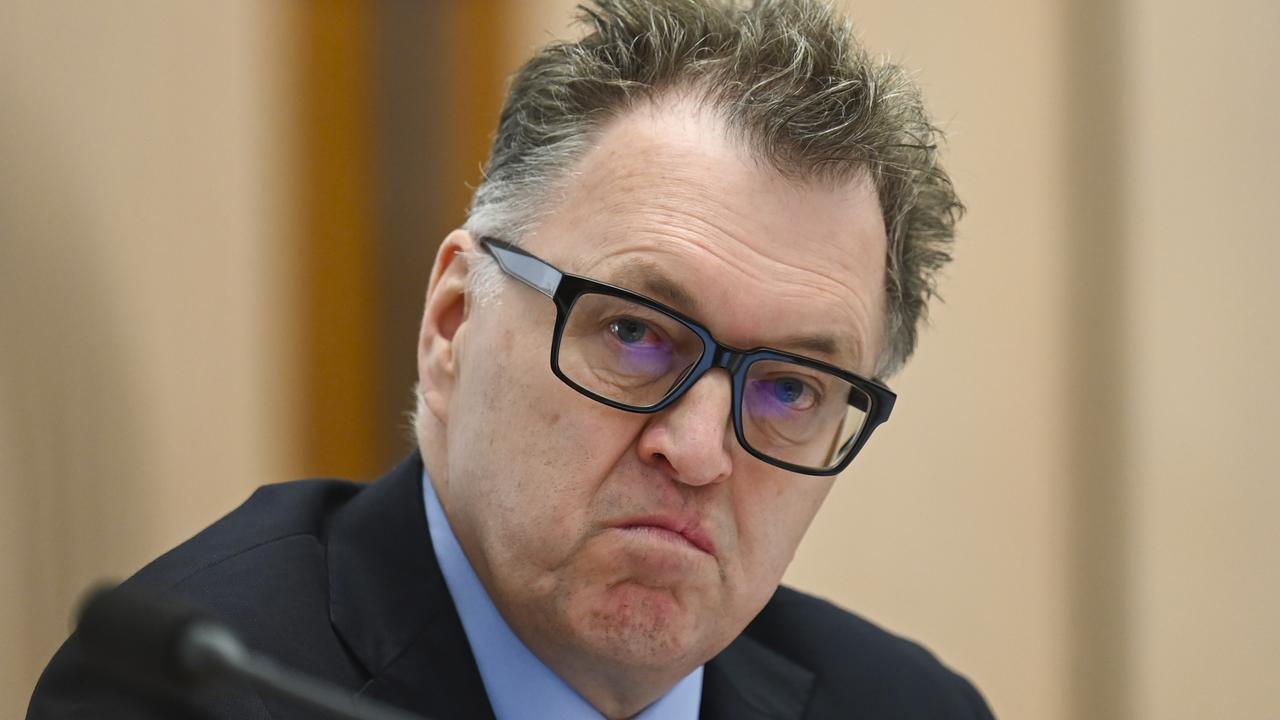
x=691 y=440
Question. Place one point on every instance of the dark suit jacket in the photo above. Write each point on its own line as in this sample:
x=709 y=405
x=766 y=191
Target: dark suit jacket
x=340 y=580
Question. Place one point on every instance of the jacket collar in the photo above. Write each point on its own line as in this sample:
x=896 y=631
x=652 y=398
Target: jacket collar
x=389 y=603
x=748 y=680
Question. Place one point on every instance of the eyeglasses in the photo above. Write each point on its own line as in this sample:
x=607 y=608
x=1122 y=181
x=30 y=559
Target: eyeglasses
x=633 y=353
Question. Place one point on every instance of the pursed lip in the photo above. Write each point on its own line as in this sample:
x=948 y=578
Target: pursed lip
x=687 y=528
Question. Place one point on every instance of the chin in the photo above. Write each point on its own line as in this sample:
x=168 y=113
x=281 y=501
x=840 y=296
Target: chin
x=639 y=626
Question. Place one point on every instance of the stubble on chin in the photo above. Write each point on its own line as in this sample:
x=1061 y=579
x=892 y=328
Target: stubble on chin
x=631 y=625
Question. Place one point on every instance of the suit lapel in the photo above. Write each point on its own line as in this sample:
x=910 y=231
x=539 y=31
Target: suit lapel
x=389 y=603
x=749 y=681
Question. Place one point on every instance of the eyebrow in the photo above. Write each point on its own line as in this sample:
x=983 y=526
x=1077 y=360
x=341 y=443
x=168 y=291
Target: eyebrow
x=648 y=278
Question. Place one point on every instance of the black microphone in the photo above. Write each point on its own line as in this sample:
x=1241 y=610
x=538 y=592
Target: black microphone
x=182 y=646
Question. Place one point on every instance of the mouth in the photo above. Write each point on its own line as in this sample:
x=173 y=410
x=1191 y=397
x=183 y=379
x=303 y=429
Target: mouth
x=673 y=529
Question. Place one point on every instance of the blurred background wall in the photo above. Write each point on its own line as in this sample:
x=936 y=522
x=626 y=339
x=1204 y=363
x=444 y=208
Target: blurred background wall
x=147 y=292
x=216 y=220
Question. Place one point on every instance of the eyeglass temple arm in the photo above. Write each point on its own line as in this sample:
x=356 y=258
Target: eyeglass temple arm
x=523 y=266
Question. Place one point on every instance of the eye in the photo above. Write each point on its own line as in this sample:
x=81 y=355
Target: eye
x=790 y=392
x=631 y=331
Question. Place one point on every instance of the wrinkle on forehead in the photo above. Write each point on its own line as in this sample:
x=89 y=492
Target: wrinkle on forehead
x=769 y=256
x=646 y=277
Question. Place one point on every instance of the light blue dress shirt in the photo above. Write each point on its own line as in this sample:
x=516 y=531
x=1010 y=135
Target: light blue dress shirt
x=518 y=684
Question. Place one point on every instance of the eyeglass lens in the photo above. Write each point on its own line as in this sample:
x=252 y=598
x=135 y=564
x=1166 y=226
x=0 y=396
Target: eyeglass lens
x=636 y=355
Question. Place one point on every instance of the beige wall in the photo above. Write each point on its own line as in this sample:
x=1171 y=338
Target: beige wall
x=143 y=293
x=1072 y=505
x=952 y=531
x=1202 y=364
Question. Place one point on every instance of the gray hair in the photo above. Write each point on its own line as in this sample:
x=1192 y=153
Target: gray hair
x=787 y=76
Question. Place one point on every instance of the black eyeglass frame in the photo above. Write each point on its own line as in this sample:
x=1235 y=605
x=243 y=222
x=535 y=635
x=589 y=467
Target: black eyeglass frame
x=565 y=289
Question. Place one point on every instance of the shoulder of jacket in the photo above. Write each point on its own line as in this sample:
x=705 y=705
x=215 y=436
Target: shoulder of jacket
x=856 y=661
x=273 y=513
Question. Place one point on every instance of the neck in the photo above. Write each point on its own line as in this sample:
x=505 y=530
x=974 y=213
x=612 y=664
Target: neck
x=617 y=687
x=620 y=694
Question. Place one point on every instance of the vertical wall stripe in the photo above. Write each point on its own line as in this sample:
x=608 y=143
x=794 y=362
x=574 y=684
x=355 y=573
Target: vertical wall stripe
x=439 y=86
x=1097 y=328
x=397 y=107
x=336 y=248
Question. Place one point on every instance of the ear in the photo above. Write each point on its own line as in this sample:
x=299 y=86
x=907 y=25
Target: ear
x=444 y=319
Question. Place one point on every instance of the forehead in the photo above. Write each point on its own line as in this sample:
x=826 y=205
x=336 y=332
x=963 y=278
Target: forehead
x=667 y=203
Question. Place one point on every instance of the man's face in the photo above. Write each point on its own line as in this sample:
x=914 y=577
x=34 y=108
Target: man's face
x=561 y=502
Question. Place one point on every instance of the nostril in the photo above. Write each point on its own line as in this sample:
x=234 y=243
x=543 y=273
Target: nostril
x=661 y=462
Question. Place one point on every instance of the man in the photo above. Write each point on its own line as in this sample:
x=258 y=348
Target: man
x=703 y=232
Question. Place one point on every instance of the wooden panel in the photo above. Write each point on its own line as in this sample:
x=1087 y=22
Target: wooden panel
x=335 y=253
x=439 y=88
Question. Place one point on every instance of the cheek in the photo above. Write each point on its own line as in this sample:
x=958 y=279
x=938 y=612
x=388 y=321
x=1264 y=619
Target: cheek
x=529 y=453
x=772 y=516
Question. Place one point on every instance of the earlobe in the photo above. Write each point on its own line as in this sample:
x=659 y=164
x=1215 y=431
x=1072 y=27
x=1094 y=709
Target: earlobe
x=443 y=323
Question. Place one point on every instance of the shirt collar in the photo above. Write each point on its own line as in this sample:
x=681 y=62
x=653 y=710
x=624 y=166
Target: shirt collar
x=519 y=685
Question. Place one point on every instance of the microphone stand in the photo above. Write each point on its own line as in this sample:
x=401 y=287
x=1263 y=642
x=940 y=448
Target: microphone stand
x=185 y=647
x=212 y=650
